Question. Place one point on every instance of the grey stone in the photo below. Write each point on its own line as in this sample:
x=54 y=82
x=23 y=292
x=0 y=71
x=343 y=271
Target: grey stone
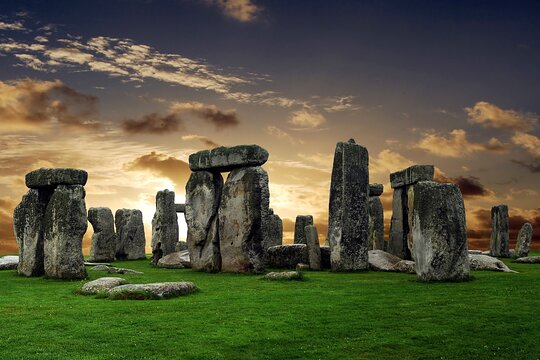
x=181 y=246
x=325 y=257
x=399 y=225
x=499 y=244
x=376 y=224
x=405 y=266
x=87 y=263
x=224 y=159
x=101 y=267
x=528 y=260
x=46 y=177
x=9 y=262
x=438 y=232
x=203 y=194
x=412 y=175
x=274 y=231
x=523 y=243
x=476 y=252
x=348 y=210
x=155 y=291
x=101 y=285
x=284 y=275
x=65 y=225
x=242 y=214
x=382 y=261
x=176 y=260
x=302 y=267
x=103 y=246
x=180 y=208
x=115 y=270
x=165 y=223
x=376 y=189
x=313 y=246
x=299 y=228
x=286 y=256
x=486 y=262
x=130 y=238
x=29 y=228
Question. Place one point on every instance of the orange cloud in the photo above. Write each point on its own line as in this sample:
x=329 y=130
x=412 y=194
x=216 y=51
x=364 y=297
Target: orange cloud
x=162 y=165
x=239 y=10
x=456 y=144
x=489 y=115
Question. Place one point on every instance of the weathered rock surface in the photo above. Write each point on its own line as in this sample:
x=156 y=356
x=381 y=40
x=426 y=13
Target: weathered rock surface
x=9 y=262
x=412 y=175
x=325 y=257
x=176 y=260
x=314 y=247
x=286 y=256
x=499 y=245
x=203 y=194
x=65 y=225
x=29 y=228
x=528 y=260
x=130 y=238
x=405 y=266
x=274 y=230
x=376 y=189
x=101 y=284
x=115 y=270
x=302 y=267
x=100 y=267
x=399 y=225
x=103 y=247
x=486 y=262
x=224 y=159
x=155 y=291
x=180 y=208
x=285 y=275
x=438 y=232
x=181 y=246
x=349 y=208
x=165 y=223
x=382 y=261
x=476 y=252
x=376 y=224
x=46 y=177
x=299 y=228
x=242 y=214
x=523 y=243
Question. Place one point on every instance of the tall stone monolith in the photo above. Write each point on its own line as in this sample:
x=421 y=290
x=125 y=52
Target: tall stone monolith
x=130 y=237
x=299 y=228
x=376 y=218
x=103 y=246
x=313 y=246
x=274 y=230
x=524 y=239
x=499 y=244
x=165 y=223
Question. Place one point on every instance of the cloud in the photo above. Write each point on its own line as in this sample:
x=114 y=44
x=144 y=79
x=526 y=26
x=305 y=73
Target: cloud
x=470 y=186
x=220 y=119
x=162 y=165
x=534 y=168
x=456 y=144
x=8 y=245
x=239 y=10
x=489 y=115
x=17 y=25
x=307 y=118
x=154 y=123
x=341 y=103
x=33 y=105
x=280 y=134
x=31 y=61
x=528 y=142
x=203 y=139
x=69 y=55
x=388 y=161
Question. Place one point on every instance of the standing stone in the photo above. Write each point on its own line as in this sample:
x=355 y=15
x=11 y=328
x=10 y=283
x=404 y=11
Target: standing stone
x=103 y=247
x=130 y=238
x=499 y=245
x=29 y=227
x=223 y=159
x=65 y=225
x=242 y=213
x=524 y=239
x=165 y=223
x=274 y=230
x=314 y=247
x=203 y=193
x=376 y=189
x=348 y=210
x=438 y=232
x=376 y=224
x=299 y=228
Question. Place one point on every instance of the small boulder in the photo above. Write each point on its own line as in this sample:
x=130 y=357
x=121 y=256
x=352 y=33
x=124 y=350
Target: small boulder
x=405 y=266
x=101 y=284
x=176 y=260
x=489 y=263
x=382 y=261
x=154 y=291
x=285 y=275
x=101 y=267
x=528 y=260
x=9 y=262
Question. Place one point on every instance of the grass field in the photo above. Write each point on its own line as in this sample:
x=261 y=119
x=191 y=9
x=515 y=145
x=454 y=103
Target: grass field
x=328 y=316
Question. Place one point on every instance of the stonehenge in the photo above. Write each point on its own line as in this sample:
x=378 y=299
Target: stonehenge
x=274 y=230
x=523 y=242
x=130 y=238
x=103 y=248
x=376 y=218
x=499 y=244
x=313 y=246
x=165 y=223
x=299 y=228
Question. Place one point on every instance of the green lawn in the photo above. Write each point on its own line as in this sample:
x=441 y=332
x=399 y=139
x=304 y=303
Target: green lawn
x=328 y=316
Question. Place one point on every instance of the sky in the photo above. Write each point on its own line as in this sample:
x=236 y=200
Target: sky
x=128 y=89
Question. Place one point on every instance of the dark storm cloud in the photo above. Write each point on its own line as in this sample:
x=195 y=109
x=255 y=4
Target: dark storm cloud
x=469 y=186
x=154 y=123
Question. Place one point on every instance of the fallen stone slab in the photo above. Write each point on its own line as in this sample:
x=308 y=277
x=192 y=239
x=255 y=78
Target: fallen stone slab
x=47 y=177
x=412 y=175
x=528 y=260
x=376 y=189
x=9 y=262
x=286 y=256
x=102 y=284
x=115 y=270
x=90 y=263
x=382 y=261
x=405 y=266
x=285 y=275
x=476 y=252
x=153 y=291
x=176 y=260
x=224 y=159
x=100 y=267
x=488 y=263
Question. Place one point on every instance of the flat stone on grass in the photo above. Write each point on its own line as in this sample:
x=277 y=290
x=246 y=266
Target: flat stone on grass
x=154 y=291
x=486 y=262
x=284 y=275
x=9 y=262
x=528 y=260
x=100 y=285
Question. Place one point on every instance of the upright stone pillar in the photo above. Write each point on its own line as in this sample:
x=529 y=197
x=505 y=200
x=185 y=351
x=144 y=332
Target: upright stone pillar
x=314 y=247
x=104 y=238
x=274 y=230
x=65 y=225
x=165 y=223
x=523 y=243
x=499 y=245
x=242 y=212
x=130 y=237
x=299 y=228
x=203 y=194
x=349 y=208
x=376 y=218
